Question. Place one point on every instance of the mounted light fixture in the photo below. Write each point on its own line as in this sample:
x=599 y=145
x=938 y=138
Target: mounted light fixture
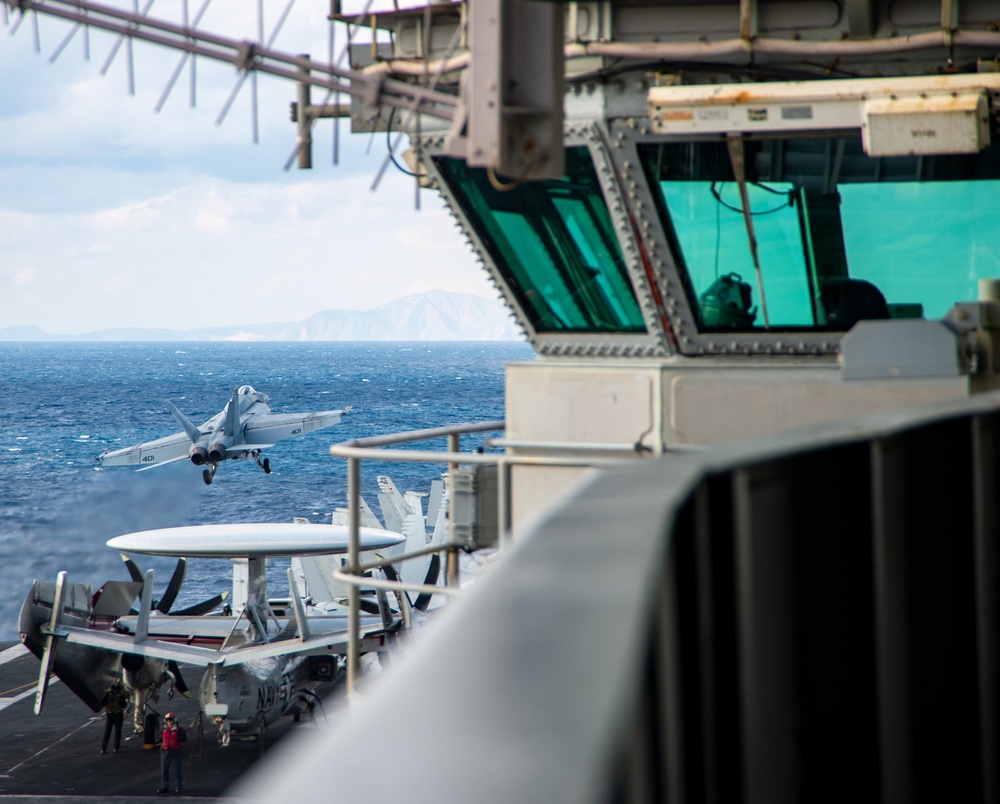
x=896 y=116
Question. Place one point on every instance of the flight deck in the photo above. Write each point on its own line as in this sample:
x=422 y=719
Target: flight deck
x=57 y=755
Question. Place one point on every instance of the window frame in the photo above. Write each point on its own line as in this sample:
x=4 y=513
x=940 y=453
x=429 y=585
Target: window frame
x=655 y=340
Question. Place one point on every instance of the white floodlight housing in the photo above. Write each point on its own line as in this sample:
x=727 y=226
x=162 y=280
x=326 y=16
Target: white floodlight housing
x=937 y=114
x=933 y=124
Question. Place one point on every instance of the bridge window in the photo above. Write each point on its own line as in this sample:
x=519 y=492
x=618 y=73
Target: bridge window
x=554 y=244
x=841 y=236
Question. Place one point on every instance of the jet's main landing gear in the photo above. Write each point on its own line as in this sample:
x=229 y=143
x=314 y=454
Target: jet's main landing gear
x=208 y=475
x=264 y=464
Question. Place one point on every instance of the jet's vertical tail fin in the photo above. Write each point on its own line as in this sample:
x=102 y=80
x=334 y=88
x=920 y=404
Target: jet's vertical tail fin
x=368 y=518
x=395 y=509
x=233 y=414
x=186 y=424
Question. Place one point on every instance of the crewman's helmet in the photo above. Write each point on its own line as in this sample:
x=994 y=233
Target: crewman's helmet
x=727 y=304
x=168 y=716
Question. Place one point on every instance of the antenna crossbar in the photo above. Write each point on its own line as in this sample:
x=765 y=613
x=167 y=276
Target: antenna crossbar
x=245 y=55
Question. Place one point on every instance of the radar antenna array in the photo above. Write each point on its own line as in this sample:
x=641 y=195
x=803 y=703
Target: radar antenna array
x=183 y=61
x=249 y=57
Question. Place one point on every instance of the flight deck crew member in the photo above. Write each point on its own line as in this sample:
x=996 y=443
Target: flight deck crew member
x=115 y=703
x=170 y=752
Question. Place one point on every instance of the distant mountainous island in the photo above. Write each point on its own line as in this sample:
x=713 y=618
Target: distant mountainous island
x=437 y=315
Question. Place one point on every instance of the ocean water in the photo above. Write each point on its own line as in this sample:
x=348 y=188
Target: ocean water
x=64 y=403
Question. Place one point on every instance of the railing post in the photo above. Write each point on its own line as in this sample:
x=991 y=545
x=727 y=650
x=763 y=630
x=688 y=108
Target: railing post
x=503 y=503
x=453 y=579
x=353 y=561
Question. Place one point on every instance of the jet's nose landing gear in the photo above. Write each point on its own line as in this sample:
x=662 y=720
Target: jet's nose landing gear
x=208 y=475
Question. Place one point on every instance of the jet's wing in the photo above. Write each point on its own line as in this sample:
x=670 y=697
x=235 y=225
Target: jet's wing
x=335 y=642
x=269 y=428
x=162 y=463
x=169 y=448
x=125 y=643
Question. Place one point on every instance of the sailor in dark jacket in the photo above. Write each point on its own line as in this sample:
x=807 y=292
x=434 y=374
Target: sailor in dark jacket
x=115 y=703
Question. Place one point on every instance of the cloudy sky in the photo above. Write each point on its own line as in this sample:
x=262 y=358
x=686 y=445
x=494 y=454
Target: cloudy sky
x=114 y=215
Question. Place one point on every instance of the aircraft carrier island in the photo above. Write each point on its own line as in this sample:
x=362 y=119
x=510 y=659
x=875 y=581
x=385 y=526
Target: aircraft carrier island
x=745 y=495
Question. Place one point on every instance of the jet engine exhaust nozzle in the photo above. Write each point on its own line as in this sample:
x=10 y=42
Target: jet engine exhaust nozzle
x=217 y=452
x=198 y=455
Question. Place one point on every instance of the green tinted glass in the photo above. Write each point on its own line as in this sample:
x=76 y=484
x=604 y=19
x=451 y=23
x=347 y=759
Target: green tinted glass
x=841 y=236
x=554 y=244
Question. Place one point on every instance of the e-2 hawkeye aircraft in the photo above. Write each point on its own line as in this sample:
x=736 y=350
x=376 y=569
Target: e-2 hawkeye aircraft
x=258 y=666
x=243 y=428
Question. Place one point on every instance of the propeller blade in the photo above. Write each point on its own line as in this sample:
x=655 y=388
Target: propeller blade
x=405 y=606
x=368 y=606
x=202 y=608
x=133 y=569
x=170 y=595
x=179 y=684
x=383 y=607
x=431 y=579
x=301 y=621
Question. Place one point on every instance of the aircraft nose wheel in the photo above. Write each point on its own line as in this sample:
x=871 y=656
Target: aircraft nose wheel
x=208 y=475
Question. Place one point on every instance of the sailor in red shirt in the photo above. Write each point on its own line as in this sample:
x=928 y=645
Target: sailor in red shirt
x=170 y=752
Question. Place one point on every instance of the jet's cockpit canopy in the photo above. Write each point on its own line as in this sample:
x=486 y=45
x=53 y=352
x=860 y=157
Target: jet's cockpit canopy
x=245 y=390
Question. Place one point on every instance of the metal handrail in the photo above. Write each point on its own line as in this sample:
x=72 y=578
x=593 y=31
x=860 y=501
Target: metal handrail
x=410 y=436
x=375 y=448
x=355 y=451
x=393 y=586
x=356 y=578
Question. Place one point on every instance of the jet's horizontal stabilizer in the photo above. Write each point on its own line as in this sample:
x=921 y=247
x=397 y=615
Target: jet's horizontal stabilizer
x=236 y=449
x=186 y=424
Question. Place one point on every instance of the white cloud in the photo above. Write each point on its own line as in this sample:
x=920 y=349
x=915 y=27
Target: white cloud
x=143 y=214
x=23 y=277
x=113 y=215
x=214 y=215
x=218 y=252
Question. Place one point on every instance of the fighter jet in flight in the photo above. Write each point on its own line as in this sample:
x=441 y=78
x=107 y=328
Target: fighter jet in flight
x=243 y=428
